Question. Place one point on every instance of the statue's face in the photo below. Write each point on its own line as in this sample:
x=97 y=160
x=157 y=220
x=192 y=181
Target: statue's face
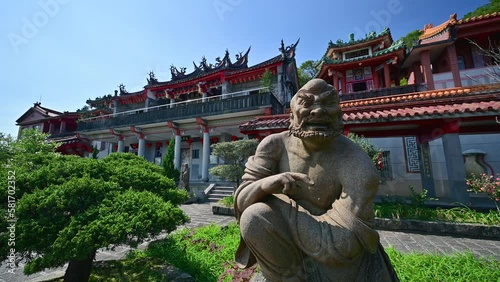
x=315 y=114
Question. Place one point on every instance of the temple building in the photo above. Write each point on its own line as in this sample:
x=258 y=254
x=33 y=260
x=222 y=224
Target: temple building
x=196 y=109
x=61 y=127
x=449 y=54
x=442 y=126
x=366 y=64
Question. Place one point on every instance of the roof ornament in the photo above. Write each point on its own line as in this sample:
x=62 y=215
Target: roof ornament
x=289 y=51
x=122 y=89
x=152 y=78
x=177 y=73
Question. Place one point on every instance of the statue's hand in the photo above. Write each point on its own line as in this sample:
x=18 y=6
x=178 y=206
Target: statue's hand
x=286 y=183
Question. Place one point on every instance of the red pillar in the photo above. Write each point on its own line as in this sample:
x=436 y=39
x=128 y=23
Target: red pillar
x=397 y=78
x=452 y=59
x=425 y=59
x=387 y=75
x=344 y=89
x=376 y=84
x=417 y=73
x=335 y=81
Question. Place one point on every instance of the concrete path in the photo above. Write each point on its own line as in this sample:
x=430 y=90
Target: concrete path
x=201 y=215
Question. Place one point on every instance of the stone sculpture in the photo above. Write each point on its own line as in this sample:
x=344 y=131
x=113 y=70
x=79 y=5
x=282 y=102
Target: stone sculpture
x=305 y=206
x=185 y=176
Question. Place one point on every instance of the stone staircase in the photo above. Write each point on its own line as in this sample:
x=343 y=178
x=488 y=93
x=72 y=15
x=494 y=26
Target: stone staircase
x=219 y=191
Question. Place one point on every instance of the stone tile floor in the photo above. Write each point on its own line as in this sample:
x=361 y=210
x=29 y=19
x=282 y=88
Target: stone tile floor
x=201 y=214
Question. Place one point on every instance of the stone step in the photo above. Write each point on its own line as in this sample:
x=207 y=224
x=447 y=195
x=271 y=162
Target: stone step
x=224 y=188
x=225 y=192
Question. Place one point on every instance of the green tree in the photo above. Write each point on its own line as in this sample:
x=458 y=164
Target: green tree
x=411 y=39
x=69 y=207
x=307 y=71
x=373 y=152
x=493 y=6
x=267 y=81
x=234 y=154
x=168 y=163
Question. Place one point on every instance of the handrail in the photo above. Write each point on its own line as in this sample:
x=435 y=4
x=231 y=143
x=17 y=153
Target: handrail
x=175 y=104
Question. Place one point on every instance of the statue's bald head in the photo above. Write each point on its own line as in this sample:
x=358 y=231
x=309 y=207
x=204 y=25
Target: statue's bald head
x=316 y=86
x=315 y=111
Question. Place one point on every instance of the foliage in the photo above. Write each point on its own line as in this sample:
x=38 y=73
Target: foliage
x=493 y=6
x=403 y=81
x=419 y=199
x=411 y=39
x=307 y=71
x=267 y=81
x=227 y=201
x=68 y=207
x=432 y=267
x=135 y=267
x=401 y=210
x=168 y=163
x=207 y=253
x=486 y=184
x=203 y=252
x=373 y=152
x=234 y=155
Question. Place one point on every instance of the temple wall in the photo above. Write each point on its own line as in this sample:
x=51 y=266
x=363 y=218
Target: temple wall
x=401 y=178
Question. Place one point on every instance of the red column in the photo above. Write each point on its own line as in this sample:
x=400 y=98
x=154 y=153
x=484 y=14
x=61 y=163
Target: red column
x=344 y=87
x=387 y=75
x=376 y=79
x=335 y=81
x=452 y=59
x=425 y=59
x=397 y=78
x=417 y=73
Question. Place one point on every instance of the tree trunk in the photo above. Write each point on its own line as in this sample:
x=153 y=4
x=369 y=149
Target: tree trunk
x=79 y=270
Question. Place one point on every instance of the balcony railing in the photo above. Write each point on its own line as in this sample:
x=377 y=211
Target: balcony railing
x=383 y=92
x=210 y=106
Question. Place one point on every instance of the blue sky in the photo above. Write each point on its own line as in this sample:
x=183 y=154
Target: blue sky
x=66 y=51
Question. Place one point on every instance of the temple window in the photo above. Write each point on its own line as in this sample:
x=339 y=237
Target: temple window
x=461 y=62
x=195 y=154
x=357 y=53
x=386 y=171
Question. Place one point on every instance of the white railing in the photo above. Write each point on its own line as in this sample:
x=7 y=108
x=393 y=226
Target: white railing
x=177 y=104
x=469 y=77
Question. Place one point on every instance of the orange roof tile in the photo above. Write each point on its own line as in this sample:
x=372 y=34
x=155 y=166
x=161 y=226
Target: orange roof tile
x=430 y=30
x=478 y=18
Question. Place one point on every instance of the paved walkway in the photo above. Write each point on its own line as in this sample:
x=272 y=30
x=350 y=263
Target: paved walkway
x=201 y=214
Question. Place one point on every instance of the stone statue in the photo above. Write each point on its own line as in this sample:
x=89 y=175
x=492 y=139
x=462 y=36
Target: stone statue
x=305 y=206
x=185 y=176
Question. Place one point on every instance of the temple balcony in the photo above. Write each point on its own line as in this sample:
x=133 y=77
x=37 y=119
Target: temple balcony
x=396 y=90
x=469 y=77
x=224 y=105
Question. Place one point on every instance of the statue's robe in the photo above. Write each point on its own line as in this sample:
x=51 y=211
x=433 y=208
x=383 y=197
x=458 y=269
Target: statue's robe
x=292 y=241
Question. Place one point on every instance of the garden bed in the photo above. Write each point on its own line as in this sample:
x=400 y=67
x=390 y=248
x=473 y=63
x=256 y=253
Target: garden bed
x=421 y=226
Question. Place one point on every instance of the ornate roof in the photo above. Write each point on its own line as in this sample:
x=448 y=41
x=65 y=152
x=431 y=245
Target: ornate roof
x=430 y=30
x=45 y=112
x=453 y=102
x=368 y=37
x=225 y=64
x=478 y=18
x=396 y=45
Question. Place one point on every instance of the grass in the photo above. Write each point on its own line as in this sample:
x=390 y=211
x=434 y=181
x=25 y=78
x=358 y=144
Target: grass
x=457 y=214
x=204 y=254
x=416 y=209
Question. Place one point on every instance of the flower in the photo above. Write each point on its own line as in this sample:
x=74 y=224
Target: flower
x=486 y=184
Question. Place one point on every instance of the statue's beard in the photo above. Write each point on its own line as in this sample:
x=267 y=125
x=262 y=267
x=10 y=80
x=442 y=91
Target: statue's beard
x=303 y=131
